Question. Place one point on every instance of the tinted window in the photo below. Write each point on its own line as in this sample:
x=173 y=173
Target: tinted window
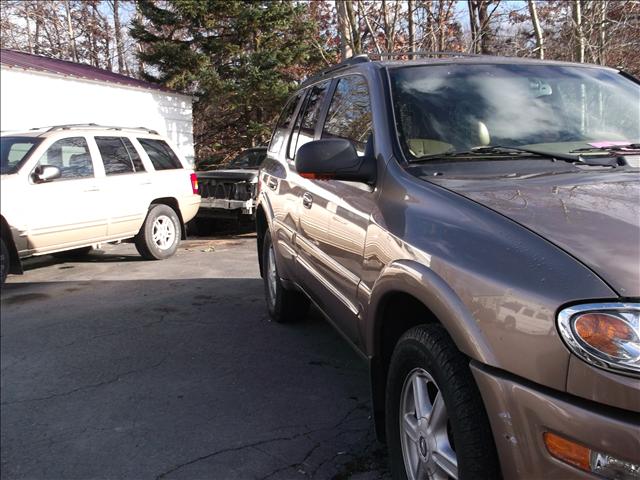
x=133 y=155
x=114 y=155
x=349 y=114
x=160 y=154
x=306 y=124
x=71 y=156
x=284 y=123
x=14 y=151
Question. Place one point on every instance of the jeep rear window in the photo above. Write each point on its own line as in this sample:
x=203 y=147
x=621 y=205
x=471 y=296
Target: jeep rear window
x=14 y=151
x=118 y=155
x=448 y=109
x=161 y=155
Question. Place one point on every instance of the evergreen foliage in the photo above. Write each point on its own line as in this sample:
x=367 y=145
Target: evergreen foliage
x=240 y=59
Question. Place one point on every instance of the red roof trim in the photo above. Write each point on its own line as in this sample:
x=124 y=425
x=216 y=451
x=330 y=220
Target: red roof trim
x=29 y=61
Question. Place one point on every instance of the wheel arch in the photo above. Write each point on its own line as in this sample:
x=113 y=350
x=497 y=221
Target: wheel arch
x=15 y=265
x=405 y=295
x=175 y=206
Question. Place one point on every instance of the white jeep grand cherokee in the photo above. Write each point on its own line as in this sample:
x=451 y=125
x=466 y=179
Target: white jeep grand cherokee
x=70 y=187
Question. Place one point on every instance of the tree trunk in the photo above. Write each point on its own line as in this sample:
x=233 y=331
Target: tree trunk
x=473 y=23
x=118 y=37
x=353 y=25
x=602 y=32
x=344 y=30
x=536 y=28
x=72 y=38
x=412 y=34
x=579 y=33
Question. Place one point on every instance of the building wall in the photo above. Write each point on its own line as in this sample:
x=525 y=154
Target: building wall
x=31 y=99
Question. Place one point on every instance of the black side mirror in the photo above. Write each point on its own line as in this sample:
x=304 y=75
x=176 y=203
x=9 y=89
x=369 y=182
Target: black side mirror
x=335 y=159
x=45 y=173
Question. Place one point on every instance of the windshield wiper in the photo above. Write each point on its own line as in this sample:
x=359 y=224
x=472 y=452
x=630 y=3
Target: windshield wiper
x=625 y=148
x=502 y=150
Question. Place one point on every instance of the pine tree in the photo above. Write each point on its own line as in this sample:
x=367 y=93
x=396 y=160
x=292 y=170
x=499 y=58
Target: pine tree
x=241 y=60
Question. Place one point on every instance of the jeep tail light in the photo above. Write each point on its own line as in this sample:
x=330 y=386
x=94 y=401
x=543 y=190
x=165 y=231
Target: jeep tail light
x=194 y=184
x=584 y=458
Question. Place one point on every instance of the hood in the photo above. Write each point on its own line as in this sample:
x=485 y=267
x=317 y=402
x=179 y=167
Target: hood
x=229 y=174
x=594 y=216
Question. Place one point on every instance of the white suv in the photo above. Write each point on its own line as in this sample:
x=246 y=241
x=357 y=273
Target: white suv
x=68 y=188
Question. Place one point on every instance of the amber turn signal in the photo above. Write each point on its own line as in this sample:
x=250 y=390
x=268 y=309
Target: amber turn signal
x=603 y=332
x=567 y=451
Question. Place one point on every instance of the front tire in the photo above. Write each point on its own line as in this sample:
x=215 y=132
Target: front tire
x=284 y=305
x=160 y=234
x=436 y=423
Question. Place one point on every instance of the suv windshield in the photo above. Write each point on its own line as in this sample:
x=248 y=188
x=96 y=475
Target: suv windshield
x=14 y=151
x=448 y=109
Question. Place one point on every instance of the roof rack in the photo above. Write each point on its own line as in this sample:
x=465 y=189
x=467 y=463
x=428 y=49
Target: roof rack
x=366 y=57
x=69 y=126
x=362 y=58
x=421 y=53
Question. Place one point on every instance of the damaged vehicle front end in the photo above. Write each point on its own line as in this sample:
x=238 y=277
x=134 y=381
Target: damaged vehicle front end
x=230 y=191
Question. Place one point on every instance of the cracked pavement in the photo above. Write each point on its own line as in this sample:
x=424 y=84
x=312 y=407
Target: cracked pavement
x=114 y=367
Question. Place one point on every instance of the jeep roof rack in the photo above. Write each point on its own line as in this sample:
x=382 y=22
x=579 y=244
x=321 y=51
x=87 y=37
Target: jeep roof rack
x=69 y=126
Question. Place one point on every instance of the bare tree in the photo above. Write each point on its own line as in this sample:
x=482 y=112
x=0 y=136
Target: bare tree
x=576 y=11
x=344 y=29
x=536 y=28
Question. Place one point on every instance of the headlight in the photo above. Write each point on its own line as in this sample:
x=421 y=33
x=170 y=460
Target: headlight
x=606 y=335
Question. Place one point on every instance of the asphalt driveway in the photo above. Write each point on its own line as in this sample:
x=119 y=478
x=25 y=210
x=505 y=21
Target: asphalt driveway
x=114 y=367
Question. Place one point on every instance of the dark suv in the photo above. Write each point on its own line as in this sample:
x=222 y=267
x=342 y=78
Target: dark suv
x=471 y=225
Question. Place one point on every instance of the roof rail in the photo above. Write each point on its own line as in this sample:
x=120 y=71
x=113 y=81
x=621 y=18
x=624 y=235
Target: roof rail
x=69 y=126
x=362 y=58
x=421 y=53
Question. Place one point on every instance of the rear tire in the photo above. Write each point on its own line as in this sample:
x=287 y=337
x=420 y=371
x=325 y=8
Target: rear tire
x=284 y=305
x=74 y=253
x=5 y=260
x=428 y=374
x=160 y=234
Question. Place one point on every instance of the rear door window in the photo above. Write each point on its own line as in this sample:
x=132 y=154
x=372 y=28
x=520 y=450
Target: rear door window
x=349 y=114
x=71 y=156
x=306 y=124
x=284 y=124
x=115 y=156
x=160 y=153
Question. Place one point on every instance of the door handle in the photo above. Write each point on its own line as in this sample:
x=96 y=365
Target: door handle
x=92 y=189
x=145 y=183
x=272 y=183
x=307 y=200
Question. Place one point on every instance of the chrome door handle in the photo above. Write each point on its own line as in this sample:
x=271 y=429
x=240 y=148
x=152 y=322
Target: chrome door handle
x=145 y=183
x=92 y=189
x=307 y=200
x=272 y=184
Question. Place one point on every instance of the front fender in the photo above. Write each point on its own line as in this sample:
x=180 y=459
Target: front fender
x=422 y=283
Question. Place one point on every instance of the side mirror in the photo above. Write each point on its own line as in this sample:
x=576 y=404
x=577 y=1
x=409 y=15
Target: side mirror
x=335 y=159
x=45 y=173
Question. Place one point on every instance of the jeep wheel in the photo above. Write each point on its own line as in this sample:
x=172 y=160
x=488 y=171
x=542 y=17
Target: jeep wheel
x=284 y=305
x=4 y=261
x=160 y=234
x=436 y=423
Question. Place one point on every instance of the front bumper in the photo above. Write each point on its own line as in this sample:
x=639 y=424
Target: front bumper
x=520 y=413
x=212 y=207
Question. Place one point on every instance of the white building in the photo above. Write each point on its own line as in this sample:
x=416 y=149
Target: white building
x=37 y=91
